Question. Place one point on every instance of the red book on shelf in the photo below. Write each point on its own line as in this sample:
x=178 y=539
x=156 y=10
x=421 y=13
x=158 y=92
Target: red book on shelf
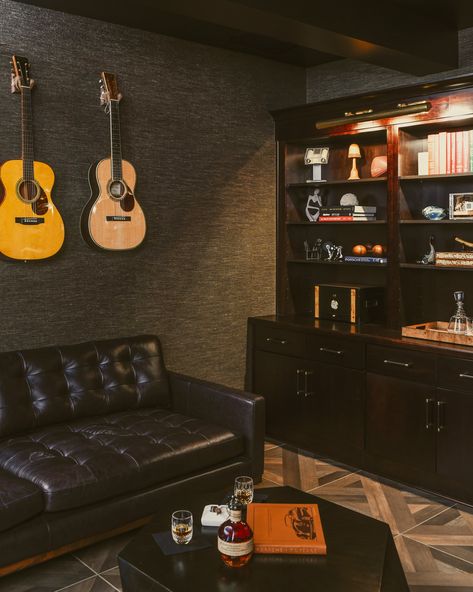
x=459 y=152
x=442 y=165
x=336 y=219
x=449 y=153
x=466 y=152
x=435 y=154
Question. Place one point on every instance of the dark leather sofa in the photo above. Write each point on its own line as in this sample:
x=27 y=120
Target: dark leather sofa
x=93 y=436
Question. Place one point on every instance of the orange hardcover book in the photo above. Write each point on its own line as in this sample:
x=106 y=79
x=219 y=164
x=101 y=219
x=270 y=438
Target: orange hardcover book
x=293 y=529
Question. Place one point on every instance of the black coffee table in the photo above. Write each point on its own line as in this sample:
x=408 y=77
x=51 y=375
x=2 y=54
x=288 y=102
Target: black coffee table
x=361 y=556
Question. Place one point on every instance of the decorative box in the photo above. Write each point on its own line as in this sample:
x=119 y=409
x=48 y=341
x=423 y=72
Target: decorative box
x=349 y=303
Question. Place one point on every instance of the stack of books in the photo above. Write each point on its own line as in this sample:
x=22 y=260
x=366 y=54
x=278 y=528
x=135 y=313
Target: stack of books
x=454 y=258
x=364 y=259
x=450 y=152
x=347 y=213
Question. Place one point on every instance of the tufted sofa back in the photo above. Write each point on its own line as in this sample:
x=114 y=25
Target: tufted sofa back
x=43 y=386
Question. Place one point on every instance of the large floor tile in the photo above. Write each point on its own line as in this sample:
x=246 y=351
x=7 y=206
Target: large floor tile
x=103 y=556
x=113 y=577
x=47 y=577
x=451 y=532
x=431 y=570
x=402 y=509
x=270 y=445
x=287 y=467
x=94 y=584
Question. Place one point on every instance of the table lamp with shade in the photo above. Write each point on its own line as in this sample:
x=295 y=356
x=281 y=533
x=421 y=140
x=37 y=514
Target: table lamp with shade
x=354 y=153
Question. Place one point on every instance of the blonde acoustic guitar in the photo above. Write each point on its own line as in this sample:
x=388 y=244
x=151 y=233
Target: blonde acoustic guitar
x=30 y=224
x=113 y=219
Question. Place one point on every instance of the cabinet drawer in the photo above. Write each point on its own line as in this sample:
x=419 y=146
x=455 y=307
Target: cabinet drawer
x=401 y=363
x=455 y=373
x=280 y=341
x=334 y=350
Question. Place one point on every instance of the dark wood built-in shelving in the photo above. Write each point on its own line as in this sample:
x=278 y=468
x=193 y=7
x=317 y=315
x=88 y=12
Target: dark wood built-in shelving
x=365 y=395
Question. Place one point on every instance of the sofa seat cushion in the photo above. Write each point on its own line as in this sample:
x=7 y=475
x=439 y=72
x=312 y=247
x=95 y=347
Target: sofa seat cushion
x=94 y=459
x=19 y=500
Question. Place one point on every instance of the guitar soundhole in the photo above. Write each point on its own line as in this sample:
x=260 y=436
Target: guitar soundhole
x=28 y=191
x=117 y=189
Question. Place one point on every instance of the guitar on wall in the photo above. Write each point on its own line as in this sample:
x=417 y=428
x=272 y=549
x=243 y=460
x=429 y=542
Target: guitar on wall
x=112 y=219
x=30 y=225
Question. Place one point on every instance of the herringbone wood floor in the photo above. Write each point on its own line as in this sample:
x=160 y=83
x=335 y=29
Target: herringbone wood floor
x=433 y=536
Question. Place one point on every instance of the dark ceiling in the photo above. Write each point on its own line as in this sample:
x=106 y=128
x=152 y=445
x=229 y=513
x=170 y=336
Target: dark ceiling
x=413 y=36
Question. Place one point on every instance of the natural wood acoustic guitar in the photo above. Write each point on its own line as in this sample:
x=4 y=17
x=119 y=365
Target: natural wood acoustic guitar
x=30 y=225
x=113 y=219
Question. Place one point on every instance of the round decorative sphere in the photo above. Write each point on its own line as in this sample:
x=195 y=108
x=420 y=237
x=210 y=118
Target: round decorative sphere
x=349 y=199
x=359 y=250
x=379 y=166
x=378 y=250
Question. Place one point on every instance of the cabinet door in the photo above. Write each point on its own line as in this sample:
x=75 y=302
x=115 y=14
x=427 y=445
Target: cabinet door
x=337 y=409
x=281 y=380
x=400 y=421
x=454 y=424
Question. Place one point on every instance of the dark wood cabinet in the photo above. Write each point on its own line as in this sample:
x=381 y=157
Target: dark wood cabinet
x=454 y=427
x=400 y=422
x=386 y=404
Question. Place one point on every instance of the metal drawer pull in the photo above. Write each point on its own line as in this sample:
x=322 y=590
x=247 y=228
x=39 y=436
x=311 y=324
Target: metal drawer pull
x=306 y=384
x=428 y=413
x=440 y=415
x=299 y=391
x=394 y=363
x=465 y=375
x=274 y=340
x=326 y=350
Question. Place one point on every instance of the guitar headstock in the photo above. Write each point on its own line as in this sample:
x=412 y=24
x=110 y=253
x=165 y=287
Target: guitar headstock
x=108 y=88
x=20 y=75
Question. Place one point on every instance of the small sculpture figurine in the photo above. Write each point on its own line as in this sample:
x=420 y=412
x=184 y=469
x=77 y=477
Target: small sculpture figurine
x=349 y=199
x=313 y=253
x=429 y=258
x=331 y=252
x=434 y=213
x=314 y=203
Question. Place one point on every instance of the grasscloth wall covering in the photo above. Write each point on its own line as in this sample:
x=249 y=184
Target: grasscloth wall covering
x=195 y=123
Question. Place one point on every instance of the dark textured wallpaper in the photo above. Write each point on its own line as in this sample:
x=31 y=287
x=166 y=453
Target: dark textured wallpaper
x=349 y=77
x=195 y=123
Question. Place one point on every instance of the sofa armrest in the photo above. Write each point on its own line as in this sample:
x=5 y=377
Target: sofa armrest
x=241 y=412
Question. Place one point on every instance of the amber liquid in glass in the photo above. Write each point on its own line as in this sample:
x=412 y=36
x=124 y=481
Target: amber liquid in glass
x=235 y=541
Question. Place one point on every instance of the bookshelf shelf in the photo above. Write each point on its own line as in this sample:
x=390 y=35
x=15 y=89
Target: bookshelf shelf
x=435 y=267
x=450 y=176
x=324 y=224
x=436 y=222
x=336 y=263
x=337 y=182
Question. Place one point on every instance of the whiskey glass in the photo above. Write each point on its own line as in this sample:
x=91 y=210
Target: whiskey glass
x=243 y=490
x=182 y=526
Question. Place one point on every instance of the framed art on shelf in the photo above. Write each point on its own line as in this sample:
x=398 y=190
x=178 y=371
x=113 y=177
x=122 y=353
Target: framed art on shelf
x=461 y=206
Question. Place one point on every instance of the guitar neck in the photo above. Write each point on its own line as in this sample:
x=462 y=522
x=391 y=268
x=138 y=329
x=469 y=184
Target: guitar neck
x=27 y=146
x=115 y=140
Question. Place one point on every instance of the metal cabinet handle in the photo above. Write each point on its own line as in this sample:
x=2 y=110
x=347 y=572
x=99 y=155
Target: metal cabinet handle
x=307 y=393
x=274 y=340
x=394 y=363
x=299 y=391
x=428 y=413
x=461 y=375
x=440 y=415
x=326 y=350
